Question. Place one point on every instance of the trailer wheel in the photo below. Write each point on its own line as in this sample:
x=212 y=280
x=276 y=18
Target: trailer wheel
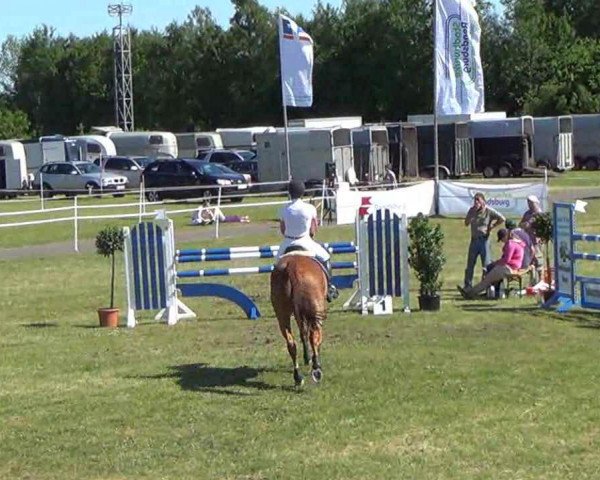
x=505 y=171
x=590 y=164
x=489 y=172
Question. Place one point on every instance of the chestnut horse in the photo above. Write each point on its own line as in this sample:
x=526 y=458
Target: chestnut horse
x=299 y=287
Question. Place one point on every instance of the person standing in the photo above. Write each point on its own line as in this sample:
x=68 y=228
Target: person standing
x=389 y=177
x=298 y=225
x=481 y=219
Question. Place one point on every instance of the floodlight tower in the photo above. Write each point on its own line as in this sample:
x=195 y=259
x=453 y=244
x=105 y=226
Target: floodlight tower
x=123 y=80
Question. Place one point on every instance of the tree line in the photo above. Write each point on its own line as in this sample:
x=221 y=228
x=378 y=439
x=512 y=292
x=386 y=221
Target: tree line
x=372 y=58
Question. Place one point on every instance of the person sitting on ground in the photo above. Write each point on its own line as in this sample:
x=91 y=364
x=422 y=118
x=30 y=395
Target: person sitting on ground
x=298 y=224
x=508 y=264
x=206 y=215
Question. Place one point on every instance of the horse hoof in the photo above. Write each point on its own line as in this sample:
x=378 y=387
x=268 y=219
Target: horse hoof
x=298 y=379
x=317 y=375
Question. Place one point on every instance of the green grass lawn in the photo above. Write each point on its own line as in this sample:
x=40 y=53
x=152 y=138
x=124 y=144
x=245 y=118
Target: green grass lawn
x=480 y=390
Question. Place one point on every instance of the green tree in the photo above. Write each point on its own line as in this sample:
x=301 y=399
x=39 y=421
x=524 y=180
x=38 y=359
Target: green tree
x=13 y=124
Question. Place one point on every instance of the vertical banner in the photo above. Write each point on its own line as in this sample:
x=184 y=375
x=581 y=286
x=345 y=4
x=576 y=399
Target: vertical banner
x=296 y=56
x=458 y=68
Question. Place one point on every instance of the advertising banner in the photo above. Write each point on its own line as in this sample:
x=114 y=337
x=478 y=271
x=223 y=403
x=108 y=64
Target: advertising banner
x=460 y=88
x=563 y=249
x=510 y=200
x=411 y=200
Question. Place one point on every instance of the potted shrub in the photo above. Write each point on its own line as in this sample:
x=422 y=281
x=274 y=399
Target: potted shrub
x=110 y=240
x=542 y=228
x=426 y=257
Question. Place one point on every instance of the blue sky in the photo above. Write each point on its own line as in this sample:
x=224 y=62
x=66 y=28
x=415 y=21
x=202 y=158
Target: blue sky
x=85 y=17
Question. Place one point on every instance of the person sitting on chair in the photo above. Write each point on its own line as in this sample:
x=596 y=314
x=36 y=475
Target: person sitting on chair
x=298 y=224
x=510 y=262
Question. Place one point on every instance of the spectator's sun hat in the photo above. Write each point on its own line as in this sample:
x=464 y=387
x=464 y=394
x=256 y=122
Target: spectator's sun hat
x=533 y=198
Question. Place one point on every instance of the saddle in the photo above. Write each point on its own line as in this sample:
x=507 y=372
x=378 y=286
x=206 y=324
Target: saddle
x=301 y=251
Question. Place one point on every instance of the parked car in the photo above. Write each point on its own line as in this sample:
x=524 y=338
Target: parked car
x=68 y=177
x=234 y=160
x=181 y=173
x=130 y=167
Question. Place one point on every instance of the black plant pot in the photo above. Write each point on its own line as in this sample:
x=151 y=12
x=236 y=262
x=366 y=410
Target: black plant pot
x=429 y=303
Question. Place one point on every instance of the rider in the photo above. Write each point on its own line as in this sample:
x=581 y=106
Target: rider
x=298 y=225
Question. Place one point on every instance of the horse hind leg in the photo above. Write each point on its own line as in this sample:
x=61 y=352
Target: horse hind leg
x=286 y=331
x=316 y=336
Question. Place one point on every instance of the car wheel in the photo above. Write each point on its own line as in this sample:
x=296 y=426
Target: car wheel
x=207 y=194
x=489 y=172
x=505 y=171
x=542 y=165
x=153 y=196
x=90 y=187
x=237 y=199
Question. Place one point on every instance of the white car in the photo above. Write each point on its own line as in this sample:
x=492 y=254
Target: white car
x=71 y=178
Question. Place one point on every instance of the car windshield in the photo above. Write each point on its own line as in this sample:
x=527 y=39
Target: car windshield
x=88 y=168
x=143 y=161
x=214 y=169
x=246 y=154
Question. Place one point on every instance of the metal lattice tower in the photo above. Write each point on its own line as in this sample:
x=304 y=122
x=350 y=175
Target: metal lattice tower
x=123 y=79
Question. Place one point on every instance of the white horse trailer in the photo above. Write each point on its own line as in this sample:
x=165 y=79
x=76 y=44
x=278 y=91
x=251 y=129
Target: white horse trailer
x=97 y=146
x=53 y=148
x=13 y=168
x=327 y=122
x=314 y=153
x=242 y=138
x=146 y=144
x=189 y=145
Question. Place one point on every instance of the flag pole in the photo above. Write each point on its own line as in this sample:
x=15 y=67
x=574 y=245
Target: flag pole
x=284 y=104
x=287 y=138
x=436 y=151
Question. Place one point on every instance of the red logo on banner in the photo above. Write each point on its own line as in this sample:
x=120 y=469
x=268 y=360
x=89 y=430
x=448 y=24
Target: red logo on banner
x=365 y=205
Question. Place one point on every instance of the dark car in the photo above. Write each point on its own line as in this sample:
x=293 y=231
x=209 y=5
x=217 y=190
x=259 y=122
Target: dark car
x=234 y=160
x=180 y=173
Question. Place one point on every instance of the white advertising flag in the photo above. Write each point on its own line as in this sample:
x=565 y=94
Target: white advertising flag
x=458 y=67
x=296 y=55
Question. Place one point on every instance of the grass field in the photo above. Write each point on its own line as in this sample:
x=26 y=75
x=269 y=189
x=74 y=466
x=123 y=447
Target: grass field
x=483 y=389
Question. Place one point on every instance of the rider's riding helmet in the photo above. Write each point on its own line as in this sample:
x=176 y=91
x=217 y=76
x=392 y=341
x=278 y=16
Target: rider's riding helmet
x=296 y=189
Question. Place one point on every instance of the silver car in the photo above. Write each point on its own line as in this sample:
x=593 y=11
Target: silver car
x=129 y=167
x=71 y=177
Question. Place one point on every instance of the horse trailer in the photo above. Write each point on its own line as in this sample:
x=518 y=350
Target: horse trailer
x=13 y=168
x=145 y=144
x=455 y=150
x=53 y=148
x=371 y=151
x=97 y=146
x=242 y=138
x=403 y=149
x=314 y=154
x=553 y=142
x=586 y=141
x=189 y=145
x=326 y=122
x=502 y=148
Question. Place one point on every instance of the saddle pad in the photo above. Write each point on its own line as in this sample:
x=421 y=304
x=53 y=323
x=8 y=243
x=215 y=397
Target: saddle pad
x=302 y=253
